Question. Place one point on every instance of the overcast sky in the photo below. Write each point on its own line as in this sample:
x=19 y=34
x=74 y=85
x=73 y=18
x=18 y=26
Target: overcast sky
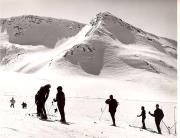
x=155 y=16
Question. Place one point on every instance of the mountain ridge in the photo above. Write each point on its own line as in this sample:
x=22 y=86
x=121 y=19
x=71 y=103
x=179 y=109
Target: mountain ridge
x=36 y=30
x=107 y=43
x=107 y=33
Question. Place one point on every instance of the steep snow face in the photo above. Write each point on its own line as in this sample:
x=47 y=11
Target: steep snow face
x=106 y=23
x=88 y=57
x=35 y=30
x=112 y=46
x=114 y=27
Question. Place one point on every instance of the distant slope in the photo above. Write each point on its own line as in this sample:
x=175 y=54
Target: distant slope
x=111 y=45
x=107 y=46
x=36 y=30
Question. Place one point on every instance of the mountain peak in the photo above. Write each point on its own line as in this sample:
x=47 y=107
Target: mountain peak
x=103 y=16
x=108 y=20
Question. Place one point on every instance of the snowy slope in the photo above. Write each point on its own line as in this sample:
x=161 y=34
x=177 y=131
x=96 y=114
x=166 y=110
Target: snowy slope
x=82 y=111
x=107 y=48
x=112 y=43
x=36 y=30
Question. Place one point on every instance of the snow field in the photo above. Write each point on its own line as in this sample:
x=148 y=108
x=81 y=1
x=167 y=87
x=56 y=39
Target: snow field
x=84 y=104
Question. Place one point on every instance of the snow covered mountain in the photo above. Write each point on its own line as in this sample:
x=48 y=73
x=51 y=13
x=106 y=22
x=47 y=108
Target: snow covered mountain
x=107 y=42
x=112 y=44
x=35 y=30
x=107 y=47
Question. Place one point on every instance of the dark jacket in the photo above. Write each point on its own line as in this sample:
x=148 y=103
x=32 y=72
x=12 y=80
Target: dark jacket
x=143 y=114
x=112 y=104
x=60 y=98
x=42 y=95
x=158 y=114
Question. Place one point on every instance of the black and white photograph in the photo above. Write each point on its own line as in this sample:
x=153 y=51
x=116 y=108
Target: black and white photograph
x=88 y=69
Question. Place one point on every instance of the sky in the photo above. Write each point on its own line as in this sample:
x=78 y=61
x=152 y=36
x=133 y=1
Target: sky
x=155 y=16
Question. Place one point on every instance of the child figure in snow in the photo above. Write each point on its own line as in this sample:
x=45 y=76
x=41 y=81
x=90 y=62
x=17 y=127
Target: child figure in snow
x=40 y=99
x=158 y=115
x=24 y=105
x=60 y=99
x=143 y=114
x=12 y=101
x=112 y=107
x=55 y=110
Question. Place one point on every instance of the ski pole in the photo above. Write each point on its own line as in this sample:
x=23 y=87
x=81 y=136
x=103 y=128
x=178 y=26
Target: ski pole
x=175 y=118
x=102 y=112
x=167 y=127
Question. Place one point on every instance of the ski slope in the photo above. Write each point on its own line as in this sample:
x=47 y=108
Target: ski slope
x=82 y=111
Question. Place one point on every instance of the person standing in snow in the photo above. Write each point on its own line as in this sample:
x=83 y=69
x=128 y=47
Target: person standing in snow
x=12 y=101
x=143 y=114
x=24 y=105
x=112 y=107
x=40 y=99
x=60 y=99
x=158 y=115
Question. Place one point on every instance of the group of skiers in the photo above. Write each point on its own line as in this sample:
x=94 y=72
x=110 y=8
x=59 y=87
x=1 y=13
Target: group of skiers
x=41 y=97
x=43 y=94
x=158 y=116
x=158 y=113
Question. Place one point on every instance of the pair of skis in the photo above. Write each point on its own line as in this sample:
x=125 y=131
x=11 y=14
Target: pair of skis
x=49 y=119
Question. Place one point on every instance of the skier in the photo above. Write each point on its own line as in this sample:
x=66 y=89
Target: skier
x=40 y=99
x=12 y=101
x=158 y=115
x=143 y=114
x=55 y=110
x=60 y=99
x=112 y=107
x=24 y=105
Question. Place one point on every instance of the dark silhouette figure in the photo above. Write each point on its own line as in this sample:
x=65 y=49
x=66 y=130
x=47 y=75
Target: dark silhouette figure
x=60 y=99
x=24 y=105
x=55 y=110
x=112 y=107
x=143 y=114
x=158 y=115
x=40 y=99
x=12 y=101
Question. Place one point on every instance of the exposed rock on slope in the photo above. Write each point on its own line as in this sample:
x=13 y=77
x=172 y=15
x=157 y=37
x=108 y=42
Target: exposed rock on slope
x=35 y=30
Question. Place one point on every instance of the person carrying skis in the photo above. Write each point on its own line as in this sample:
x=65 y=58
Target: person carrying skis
x=40 y=99
x=158 y=115
x=112 y=107
x=12 y=101
x=143 y=114
x=60 y=99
